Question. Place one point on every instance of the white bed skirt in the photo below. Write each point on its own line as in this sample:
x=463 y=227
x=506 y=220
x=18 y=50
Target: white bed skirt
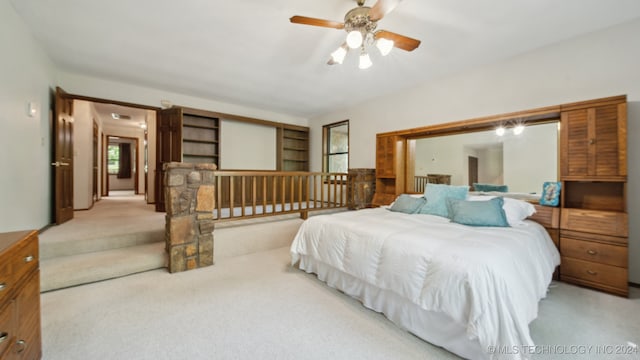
x=436 y=328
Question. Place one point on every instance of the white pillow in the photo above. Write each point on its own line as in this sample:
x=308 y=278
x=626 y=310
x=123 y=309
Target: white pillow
x=516 y=210
x=394 y=201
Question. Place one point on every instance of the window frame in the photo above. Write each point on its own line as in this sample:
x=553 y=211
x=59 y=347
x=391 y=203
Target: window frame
x=109 y=172
x=326 y=144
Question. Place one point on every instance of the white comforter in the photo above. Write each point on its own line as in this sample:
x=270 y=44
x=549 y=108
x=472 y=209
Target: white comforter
x=489 y=279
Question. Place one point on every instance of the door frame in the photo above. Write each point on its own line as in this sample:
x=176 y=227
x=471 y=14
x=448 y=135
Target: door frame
x=135 y=160
x=114 y=102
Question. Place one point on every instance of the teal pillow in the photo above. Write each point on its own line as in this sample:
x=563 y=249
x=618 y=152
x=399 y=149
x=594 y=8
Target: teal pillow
x=478 y=213
x=437 y=194
x=407 y=204
x=490 y=187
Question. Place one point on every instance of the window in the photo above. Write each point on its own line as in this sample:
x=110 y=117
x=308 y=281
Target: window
x=335 y=138
x=113 y=159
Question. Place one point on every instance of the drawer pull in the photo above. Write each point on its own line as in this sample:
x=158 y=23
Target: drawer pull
x=591 y=252
x=28 y=259
x=591 y=272
x=2 y=286
x=22 y=345
x=3 y=336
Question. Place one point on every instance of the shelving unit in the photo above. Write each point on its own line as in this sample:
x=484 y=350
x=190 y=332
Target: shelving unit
x=389 y=168
x=594 y=220
x=200 y=139
x=293 y=148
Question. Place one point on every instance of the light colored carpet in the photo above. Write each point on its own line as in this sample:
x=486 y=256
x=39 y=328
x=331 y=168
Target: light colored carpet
x=113 y=222
x=258 y=307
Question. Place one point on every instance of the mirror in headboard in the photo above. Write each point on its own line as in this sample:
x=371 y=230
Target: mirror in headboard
x=521 y=162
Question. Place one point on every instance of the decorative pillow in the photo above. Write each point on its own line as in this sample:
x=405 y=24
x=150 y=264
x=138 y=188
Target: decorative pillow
x=437 y=194
x=478 y=213
x=490 y=187
x=516 y=210
x=407 y=204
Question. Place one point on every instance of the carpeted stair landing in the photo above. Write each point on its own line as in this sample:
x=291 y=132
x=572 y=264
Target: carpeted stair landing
x=80 y=261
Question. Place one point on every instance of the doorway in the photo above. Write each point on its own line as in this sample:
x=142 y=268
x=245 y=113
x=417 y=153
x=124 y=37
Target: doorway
x=95 y=122
x=123 y=165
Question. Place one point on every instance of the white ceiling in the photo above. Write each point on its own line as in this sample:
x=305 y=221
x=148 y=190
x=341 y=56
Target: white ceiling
x=137 y=116
x=247 y=52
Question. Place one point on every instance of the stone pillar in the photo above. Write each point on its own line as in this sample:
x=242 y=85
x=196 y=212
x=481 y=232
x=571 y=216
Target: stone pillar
x=361 y=185
x=190 y=201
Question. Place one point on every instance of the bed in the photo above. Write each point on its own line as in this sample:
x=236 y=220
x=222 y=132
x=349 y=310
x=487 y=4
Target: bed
x=464 y=288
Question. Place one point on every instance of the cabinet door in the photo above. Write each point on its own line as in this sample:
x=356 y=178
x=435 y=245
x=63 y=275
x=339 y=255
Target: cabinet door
x=594 y=142
x=385 y=156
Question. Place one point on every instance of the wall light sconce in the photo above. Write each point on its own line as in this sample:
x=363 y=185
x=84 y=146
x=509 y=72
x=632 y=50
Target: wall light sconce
x=516 y=126
x=32 y=109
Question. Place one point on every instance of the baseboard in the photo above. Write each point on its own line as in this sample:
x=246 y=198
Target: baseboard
x=635 y=285
x=42 y=229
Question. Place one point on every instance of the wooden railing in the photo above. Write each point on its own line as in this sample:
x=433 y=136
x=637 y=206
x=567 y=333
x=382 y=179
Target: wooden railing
x=421 y=181
x=250 y=194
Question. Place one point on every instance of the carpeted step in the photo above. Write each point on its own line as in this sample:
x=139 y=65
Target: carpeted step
x=66 y=271
x=74 y=246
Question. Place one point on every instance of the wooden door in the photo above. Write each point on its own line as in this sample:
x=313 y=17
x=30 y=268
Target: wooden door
x=593 y=142
x=168 y=147
x=473 y=170
x=63 y=157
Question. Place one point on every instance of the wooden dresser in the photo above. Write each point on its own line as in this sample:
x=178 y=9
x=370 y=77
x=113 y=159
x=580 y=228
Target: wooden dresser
x=20 y=336
x=593 y=169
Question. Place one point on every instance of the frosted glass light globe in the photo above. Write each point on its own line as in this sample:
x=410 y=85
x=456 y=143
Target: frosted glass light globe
x=354 y=39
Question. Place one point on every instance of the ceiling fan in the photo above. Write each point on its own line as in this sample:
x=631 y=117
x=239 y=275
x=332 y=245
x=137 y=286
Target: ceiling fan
x=361 y=23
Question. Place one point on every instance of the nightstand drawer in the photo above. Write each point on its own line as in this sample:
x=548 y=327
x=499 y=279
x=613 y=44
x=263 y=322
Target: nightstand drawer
x=26 y=258
x=611 y=276
x=593 y=251
x=599 y=222
x=6 y=278
x=7 y=327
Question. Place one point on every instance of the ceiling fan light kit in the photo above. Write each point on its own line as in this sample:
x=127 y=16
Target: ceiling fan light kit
x=360 y=24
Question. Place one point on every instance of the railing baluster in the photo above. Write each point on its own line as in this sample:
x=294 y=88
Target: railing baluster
x=243 y=198
x=219 y=197
x=253 y=195
x=284 y=192
x=231 y=195
x=322 y=182
x=264 y=194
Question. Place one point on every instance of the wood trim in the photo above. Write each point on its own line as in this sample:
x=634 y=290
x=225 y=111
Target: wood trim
x=224 y=116
x=539 y=115
x=622 y=138
x=591 y=103
x=107 y=101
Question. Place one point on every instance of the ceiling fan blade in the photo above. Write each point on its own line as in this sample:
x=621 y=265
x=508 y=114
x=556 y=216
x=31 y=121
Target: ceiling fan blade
x=316 y=22
x=399 y=41
x=382 y=8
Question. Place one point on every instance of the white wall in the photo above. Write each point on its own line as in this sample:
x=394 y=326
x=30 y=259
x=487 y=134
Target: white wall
x=597 y=65
x=26 y=75
x=120 y=91
x=245 y=146
x=151 y=161
x=83 y=116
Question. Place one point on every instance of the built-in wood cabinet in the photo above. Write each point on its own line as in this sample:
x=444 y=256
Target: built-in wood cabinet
x=594 y=141
x=293 y=148
x=20 y=335
x=594 y=221
x=390 y=151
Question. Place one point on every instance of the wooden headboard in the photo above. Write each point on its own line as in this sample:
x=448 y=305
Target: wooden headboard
x=549 y=217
